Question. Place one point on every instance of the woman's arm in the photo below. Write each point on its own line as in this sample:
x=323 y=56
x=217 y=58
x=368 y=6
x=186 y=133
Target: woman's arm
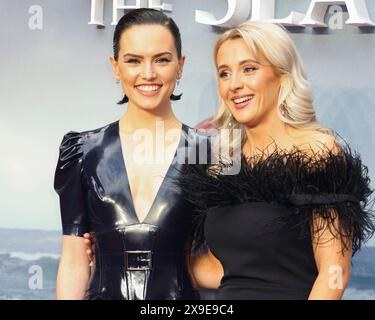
x=74 y=272
x=332 y=259
x=206 y=271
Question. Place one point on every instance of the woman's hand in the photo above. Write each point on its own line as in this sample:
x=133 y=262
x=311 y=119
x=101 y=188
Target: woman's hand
x=206 y=271
x=88 y=241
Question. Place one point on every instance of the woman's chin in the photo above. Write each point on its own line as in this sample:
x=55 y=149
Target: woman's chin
x=245 y=119
x=151 y=107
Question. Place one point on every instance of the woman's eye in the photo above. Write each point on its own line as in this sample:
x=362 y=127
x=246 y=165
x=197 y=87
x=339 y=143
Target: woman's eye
x=224 y=74
x=249 y=69
x=163 y=60
x=131 y=61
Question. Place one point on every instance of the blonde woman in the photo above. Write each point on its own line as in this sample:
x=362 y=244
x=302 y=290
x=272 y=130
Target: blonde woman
x=285 y=226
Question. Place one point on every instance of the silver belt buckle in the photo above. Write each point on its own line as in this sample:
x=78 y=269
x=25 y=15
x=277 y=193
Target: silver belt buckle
x=138 y=260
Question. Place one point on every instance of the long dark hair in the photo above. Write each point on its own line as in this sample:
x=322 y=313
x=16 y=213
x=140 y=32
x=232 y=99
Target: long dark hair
x=146 y=16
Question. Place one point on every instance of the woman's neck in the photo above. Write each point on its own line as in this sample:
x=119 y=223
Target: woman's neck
x=137 y=118
x=267 y=135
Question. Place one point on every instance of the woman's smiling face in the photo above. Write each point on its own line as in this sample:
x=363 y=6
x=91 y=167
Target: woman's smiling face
x=247 y=84
x=148 y=65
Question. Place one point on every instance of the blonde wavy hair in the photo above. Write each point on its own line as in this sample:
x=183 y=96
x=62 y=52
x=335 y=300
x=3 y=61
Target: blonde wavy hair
x=295 y=102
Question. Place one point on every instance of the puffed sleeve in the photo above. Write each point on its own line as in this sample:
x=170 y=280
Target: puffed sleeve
x=69 y=185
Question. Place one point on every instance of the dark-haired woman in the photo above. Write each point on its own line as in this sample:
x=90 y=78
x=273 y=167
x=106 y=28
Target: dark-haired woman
x=114 y=181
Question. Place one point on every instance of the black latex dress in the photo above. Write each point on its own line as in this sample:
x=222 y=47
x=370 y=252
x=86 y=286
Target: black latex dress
x=134 y=260
x=258 y=223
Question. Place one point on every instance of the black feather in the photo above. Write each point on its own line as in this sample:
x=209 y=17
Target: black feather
x=327 y=185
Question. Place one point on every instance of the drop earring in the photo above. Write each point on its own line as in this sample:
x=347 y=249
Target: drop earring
x=284 y=108
x=176 y=88
x=230 y=123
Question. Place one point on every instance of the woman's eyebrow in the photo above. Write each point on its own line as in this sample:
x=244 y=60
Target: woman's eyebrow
x=162 y=54
x=241 y=63
x=141 y=57
x=248 y=61
x=132 y=55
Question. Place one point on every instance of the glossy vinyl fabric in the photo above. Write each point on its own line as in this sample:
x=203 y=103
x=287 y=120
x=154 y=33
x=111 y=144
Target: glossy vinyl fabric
x=134 y=260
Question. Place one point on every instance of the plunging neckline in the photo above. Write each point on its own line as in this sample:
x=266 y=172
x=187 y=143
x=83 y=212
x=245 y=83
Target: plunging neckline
x=161 y=186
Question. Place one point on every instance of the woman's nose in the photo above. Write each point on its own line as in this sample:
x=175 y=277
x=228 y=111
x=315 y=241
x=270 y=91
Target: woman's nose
x=148 y=72
x=236 y=83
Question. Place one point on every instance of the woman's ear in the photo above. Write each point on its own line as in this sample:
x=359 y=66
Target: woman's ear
x=115 y=67
x=286 y=86
x=181 y=63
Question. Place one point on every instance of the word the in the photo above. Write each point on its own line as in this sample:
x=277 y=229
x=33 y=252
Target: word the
x=239 y=11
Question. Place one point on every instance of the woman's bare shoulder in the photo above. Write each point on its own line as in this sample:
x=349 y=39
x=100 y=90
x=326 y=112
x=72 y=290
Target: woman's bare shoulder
x=318 y=142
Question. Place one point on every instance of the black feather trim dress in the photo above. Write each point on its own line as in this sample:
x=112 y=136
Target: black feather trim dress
x=259 y=222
